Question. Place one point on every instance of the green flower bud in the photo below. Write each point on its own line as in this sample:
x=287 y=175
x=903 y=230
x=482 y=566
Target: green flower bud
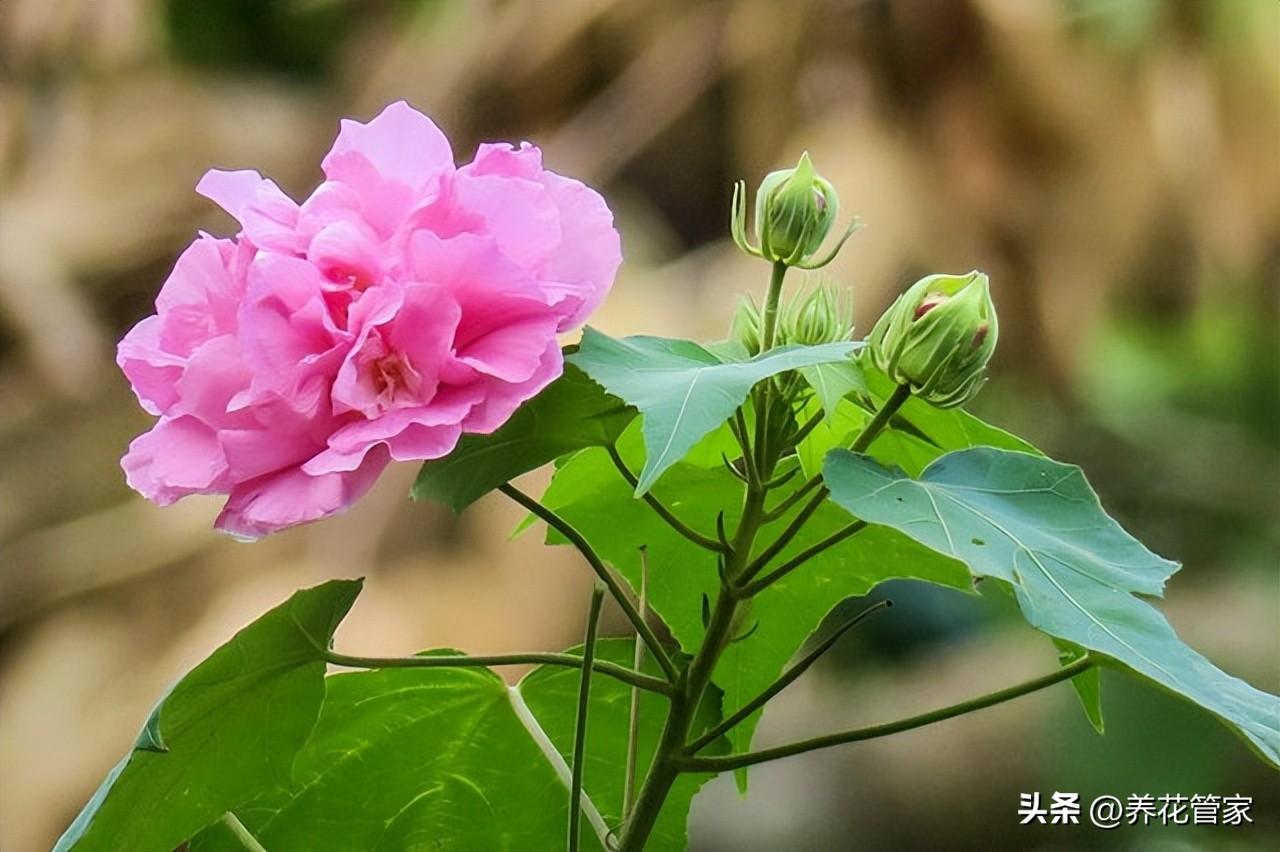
x=938 y=337
x=745 y=325
x=823 y=315
x=795 y=209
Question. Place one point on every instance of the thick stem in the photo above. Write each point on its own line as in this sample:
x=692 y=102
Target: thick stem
x=689 y=690
x=604 y=667
x=741 y=761
x=606 y=576
x=580 y=722
x=873 y=428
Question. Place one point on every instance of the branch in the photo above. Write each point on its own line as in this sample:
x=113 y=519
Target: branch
x=788 y=677
x=602 y=571
x=604 y=667
x=868 y=434
x=800 y=558
x=580 y=722
x=662 y=511
x=739 y=761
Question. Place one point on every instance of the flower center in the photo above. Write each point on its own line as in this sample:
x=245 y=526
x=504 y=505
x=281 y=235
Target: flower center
x=394 y=380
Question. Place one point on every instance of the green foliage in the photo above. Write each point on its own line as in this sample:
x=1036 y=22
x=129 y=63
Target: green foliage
x=413 y=757
x=682 y=389
x=230 y=727
x=405 y=759
x=588 y=492
x=550 y=694
x=571 y=413
x=1036 y=524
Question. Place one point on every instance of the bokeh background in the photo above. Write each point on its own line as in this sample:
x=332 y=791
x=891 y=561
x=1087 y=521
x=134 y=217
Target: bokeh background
x=1114 y=166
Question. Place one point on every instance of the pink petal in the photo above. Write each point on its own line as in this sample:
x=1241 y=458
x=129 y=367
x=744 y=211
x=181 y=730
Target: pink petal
x=176 y=458
x=291 y=497
x=400 y=142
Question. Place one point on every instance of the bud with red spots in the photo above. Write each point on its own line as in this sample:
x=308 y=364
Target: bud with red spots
x=938 y=337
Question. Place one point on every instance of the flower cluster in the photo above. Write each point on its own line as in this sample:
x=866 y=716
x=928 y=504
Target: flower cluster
x=404 y=303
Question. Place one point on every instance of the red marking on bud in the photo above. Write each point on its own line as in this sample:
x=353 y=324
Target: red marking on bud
x=979 y=336
x=930 y=302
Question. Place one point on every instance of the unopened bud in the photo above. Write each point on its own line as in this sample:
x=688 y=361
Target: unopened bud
x=938 y=337
x=823 y=315
x=745 y=325
x=795 y=209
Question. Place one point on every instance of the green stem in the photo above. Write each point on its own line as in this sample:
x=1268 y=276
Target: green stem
x=661 y=510
x=580 y=723
x=633 y=721
x=768 y=332
x=665 y=768
x=739 y=761
x=604 y=667
x=242 y=834
x=761 y=583
x=873 y=428
x=602 y=571
x=788 y=677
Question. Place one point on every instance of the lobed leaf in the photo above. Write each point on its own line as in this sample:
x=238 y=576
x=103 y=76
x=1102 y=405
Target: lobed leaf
x=682 y=390
x=571 y=413
x=228 y=728
x=1038 y=525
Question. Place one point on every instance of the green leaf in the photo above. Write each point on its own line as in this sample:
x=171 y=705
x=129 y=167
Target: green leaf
x=409 y=759
x=682 y=390
x=1036 y=524
x=588 y=492
x=454 y=759
x=833 y=382
x=230 y=727
x=550 y=693
x=571 y=413
x=1087 y=684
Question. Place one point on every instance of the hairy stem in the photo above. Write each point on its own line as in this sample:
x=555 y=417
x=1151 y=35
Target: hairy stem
x=580 y=721
x=740 y=761
x=662 y=511
x=605 y=575
x=604 y=667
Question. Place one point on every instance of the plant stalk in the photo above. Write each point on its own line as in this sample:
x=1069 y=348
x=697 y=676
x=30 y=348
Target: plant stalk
x=580 y=722
x=731 y=762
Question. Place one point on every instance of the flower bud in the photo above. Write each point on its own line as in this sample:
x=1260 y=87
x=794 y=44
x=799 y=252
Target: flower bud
x=822 y=315
x=795 y=209
x=938 y=337
x=745 y=325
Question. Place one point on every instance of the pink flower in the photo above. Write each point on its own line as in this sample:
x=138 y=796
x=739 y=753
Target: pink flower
x=404 y=303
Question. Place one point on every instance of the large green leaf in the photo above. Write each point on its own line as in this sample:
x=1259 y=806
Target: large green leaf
x=551 y=694
x=229 y=728
x=682 y=389
x=588 y=492
x=414 y=759
x=454 y=759
x=1038 y=525
x=571 y=413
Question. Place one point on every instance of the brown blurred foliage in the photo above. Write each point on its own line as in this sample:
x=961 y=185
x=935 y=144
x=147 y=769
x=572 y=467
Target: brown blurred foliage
x=1100 y=160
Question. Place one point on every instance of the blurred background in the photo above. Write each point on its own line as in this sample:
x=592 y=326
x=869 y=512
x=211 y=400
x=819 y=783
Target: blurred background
x=1114 y=166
